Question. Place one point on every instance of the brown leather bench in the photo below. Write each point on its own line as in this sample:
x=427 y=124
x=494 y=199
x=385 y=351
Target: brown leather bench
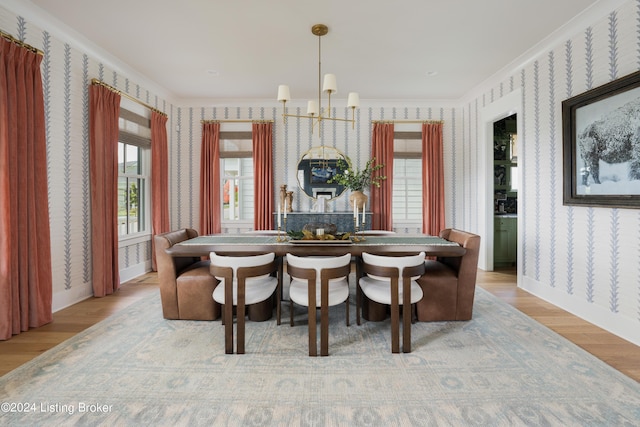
x=186 y=284
x=449 y=283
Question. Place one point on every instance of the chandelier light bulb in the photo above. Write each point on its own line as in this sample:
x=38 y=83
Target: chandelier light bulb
x=354 y=100
x=283 y=93
x=330 y=84
x=312 y=108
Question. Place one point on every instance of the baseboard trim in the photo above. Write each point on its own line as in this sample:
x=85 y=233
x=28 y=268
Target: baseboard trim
x=134 y=271
x=616 y=324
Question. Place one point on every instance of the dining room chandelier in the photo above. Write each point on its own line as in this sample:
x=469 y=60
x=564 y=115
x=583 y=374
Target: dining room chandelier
x=314 y=109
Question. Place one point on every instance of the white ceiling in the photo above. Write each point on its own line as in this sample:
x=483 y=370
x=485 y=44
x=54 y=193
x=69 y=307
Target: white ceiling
x=242 y=49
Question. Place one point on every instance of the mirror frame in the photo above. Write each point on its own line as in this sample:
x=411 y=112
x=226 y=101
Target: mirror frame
x=305 y=173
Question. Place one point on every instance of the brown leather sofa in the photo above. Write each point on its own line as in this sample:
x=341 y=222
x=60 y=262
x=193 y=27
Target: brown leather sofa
x=186 y=284
x=449 y=283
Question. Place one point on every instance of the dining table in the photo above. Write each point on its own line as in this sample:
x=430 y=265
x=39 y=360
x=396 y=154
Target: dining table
x=252 y=244
x=246 y=244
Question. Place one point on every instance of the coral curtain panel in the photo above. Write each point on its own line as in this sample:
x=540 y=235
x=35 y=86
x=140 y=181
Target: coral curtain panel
x=104 y=111
x=263 y=175
x=210 y=208
x=159 y=178
x=382 y=150
x=432 y=179
x=25 y=238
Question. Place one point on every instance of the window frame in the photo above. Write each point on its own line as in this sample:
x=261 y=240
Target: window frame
x=242 y=154
x=143 y=143
x=406 y=135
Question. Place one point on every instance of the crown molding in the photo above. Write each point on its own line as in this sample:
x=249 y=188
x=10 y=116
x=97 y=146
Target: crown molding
x=588 y=17
x=59 y=30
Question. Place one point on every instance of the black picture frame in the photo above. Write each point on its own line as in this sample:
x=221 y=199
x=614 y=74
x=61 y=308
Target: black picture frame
x=601 y=145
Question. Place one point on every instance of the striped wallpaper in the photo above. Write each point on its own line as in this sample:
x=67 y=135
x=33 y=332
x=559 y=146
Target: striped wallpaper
x=584 y=259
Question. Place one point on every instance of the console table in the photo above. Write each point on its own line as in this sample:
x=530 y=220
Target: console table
x=342 y=220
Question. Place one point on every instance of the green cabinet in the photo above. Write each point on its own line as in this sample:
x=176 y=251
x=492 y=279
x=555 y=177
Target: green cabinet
x=505 y=240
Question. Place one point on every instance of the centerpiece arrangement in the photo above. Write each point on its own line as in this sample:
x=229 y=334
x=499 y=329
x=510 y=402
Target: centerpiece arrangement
x=319 y=231
x=357 y=180
x=307 y=235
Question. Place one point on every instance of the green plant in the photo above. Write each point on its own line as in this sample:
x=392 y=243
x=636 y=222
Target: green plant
x=357 y=180
x=133 y=196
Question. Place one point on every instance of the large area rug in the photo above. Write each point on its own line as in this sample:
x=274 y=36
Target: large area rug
x=499 y=369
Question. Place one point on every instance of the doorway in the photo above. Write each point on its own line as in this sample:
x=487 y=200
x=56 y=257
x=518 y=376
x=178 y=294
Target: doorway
x=505 y=192
x=508 y=105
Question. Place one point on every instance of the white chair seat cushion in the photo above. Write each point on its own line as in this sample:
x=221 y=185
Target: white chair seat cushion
x=380 y=290
x=256 y=290
x=338 y=292
x=241 y=261
x=338 y=288
x=390 y=261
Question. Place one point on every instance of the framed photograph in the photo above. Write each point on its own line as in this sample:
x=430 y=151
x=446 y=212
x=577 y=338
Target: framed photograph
x=601 y=145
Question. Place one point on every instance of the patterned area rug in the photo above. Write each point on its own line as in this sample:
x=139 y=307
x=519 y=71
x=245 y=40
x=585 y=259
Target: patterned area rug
x=499 y=369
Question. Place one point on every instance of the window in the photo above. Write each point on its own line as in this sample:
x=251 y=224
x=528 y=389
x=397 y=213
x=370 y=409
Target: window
x=407 y=177
x=134 y=142
x=407 y=189
x=236 y=164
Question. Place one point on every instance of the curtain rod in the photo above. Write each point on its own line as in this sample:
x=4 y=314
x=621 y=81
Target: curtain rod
x=435 y=122
x=20 y=43
x=235 y=121
x=126 y=95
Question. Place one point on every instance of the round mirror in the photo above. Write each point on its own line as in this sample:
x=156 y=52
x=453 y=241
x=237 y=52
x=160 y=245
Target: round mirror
x=316 y=167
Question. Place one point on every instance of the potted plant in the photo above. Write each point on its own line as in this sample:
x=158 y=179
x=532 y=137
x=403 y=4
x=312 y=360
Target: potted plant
x=357 y=180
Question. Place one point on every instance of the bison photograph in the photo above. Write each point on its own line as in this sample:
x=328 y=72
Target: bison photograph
x=608 y=146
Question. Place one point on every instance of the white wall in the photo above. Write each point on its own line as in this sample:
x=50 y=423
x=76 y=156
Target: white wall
x=582 y=259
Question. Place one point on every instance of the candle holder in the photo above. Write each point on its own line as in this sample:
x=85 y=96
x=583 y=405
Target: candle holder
x=355 y=230
x=283 y=238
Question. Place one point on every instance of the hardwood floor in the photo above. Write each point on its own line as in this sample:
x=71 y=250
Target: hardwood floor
x=70 y=321
x=613 y=350
x=621 y=354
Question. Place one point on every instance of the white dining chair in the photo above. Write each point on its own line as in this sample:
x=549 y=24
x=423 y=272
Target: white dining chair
x=323 y=280
x=391 y=280
x=245 y=280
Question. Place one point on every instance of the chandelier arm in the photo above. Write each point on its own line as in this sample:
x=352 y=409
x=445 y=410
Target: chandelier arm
x=338 y=119
x=300 y=116
x=320 y=118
